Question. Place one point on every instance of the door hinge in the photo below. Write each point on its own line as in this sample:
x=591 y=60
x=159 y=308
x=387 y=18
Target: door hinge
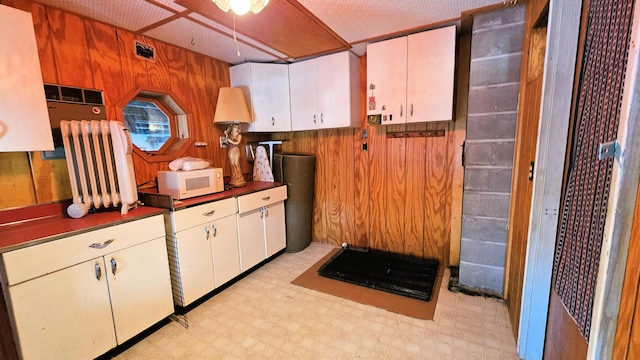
x=608 y=150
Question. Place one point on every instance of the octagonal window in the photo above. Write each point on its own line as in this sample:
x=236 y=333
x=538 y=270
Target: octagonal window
x=157 y=124
x=149 y=123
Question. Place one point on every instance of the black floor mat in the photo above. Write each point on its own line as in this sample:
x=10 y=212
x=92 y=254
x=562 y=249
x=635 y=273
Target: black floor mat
x=395 y=273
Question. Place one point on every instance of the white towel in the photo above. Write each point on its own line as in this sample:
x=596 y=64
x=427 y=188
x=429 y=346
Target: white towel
x=188 y=163
x=261 y=168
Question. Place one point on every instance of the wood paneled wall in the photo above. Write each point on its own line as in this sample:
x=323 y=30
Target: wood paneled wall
x=79 y=52
x=396 y=196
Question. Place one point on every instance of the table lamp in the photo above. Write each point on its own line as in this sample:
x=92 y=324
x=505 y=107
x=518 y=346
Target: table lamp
x=231 y=110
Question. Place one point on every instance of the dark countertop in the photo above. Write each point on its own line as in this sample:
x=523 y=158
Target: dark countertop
x=50 y=225
x=28 y=226
x=151 y=197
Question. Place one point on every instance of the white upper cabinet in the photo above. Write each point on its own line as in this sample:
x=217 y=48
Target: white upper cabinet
x=325 y=92
x=24 y=118
x=266 y=90
x=411 y=79
x=387 y=80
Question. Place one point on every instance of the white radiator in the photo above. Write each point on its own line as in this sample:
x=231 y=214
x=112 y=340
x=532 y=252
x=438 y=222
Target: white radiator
x=100 y=165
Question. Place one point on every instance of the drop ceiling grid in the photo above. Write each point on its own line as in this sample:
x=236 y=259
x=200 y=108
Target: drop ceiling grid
x=126 y=14
x=171 y=4
x=357 y=20
x=192 y=36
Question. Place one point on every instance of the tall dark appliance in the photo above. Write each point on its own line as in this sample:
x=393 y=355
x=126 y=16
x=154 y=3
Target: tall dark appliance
x=299 y=172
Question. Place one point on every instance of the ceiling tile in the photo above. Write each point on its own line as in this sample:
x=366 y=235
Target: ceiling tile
x=192 y=36
x=126 y=14
x=357 y=20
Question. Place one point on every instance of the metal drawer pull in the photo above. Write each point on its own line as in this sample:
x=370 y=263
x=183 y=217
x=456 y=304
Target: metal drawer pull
x=401 y=111
x=114 y=266
x=101 y=245
x=266 y=198
x=98 y=271
x=322 y=118
x=314 y=119
x=411 y=112
x=215 y=230
x=266 y=211
x=273 y=121
x=208 y=213
x=261 y=213
x=206 y=229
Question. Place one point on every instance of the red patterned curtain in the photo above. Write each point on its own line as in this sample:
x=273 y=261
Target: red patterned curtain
x=584 y=208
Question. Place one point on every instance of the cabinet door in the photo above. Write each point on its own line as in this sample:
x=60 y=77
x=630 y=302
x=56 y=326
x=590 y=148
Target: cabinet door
x=430 y=80
x=270 y=98
x=387 y=71
x=140 y=287
x=65 y=314
x=251 y=238
x=226 y=254
x=334 y=92
x=304 y=95
x=194 y=263
x=275 y=230
x=24 y=118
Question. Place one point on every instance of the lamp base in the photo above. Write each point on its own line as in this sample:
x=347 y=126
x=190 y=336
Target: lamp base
x=236 y=183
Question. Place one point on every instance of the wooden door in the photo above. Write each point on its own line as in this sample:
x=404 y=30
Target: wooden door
x=65 y=314
x=534 y=46
x=579 y=250
x=140 y=287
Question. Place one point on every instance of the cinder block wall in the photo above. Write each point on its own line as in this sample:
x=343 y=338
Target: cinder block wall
x=496 y=50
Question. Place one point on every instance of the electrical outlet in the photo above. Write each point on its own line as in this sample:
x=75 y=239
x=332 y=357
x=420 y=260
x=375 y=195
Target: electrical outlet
x=223 y=142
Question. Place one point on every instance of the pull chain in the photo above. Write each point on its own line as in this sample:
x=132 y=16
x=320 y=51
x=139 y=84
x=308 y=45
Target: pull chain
x=234 y=35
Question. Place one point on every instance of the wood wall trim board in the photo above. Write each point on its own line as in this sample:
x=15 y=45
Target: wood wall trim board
x=626 y=345
x=457 y=136
x=531 y=72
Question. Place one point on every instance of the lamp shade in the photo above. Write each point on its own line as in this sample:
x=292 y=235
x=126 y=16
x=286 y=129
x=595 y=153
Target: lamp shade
x=231 y=107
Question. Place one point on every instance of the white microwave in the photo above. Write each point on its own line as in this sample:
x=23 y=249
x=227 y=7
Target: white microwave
x=186 y=184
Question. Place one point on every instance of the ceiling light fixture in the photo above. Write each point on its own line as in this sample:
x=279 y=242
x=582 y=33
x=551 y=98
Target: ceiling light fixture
x=241 y=7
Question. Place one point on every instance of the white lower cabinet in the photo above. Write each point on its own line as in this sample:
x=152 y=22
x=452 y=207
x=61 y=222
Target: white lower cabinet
x=80 y=310
x=261 y=225
x=204 y=256
x=212 y=243
x=64 y=315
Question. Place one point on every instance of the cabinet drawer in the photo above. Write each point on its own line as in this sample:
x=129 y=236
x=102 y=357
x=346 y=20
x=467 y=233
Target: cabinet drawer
x=28 y=263
x=261 y=198
x=186 y=218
